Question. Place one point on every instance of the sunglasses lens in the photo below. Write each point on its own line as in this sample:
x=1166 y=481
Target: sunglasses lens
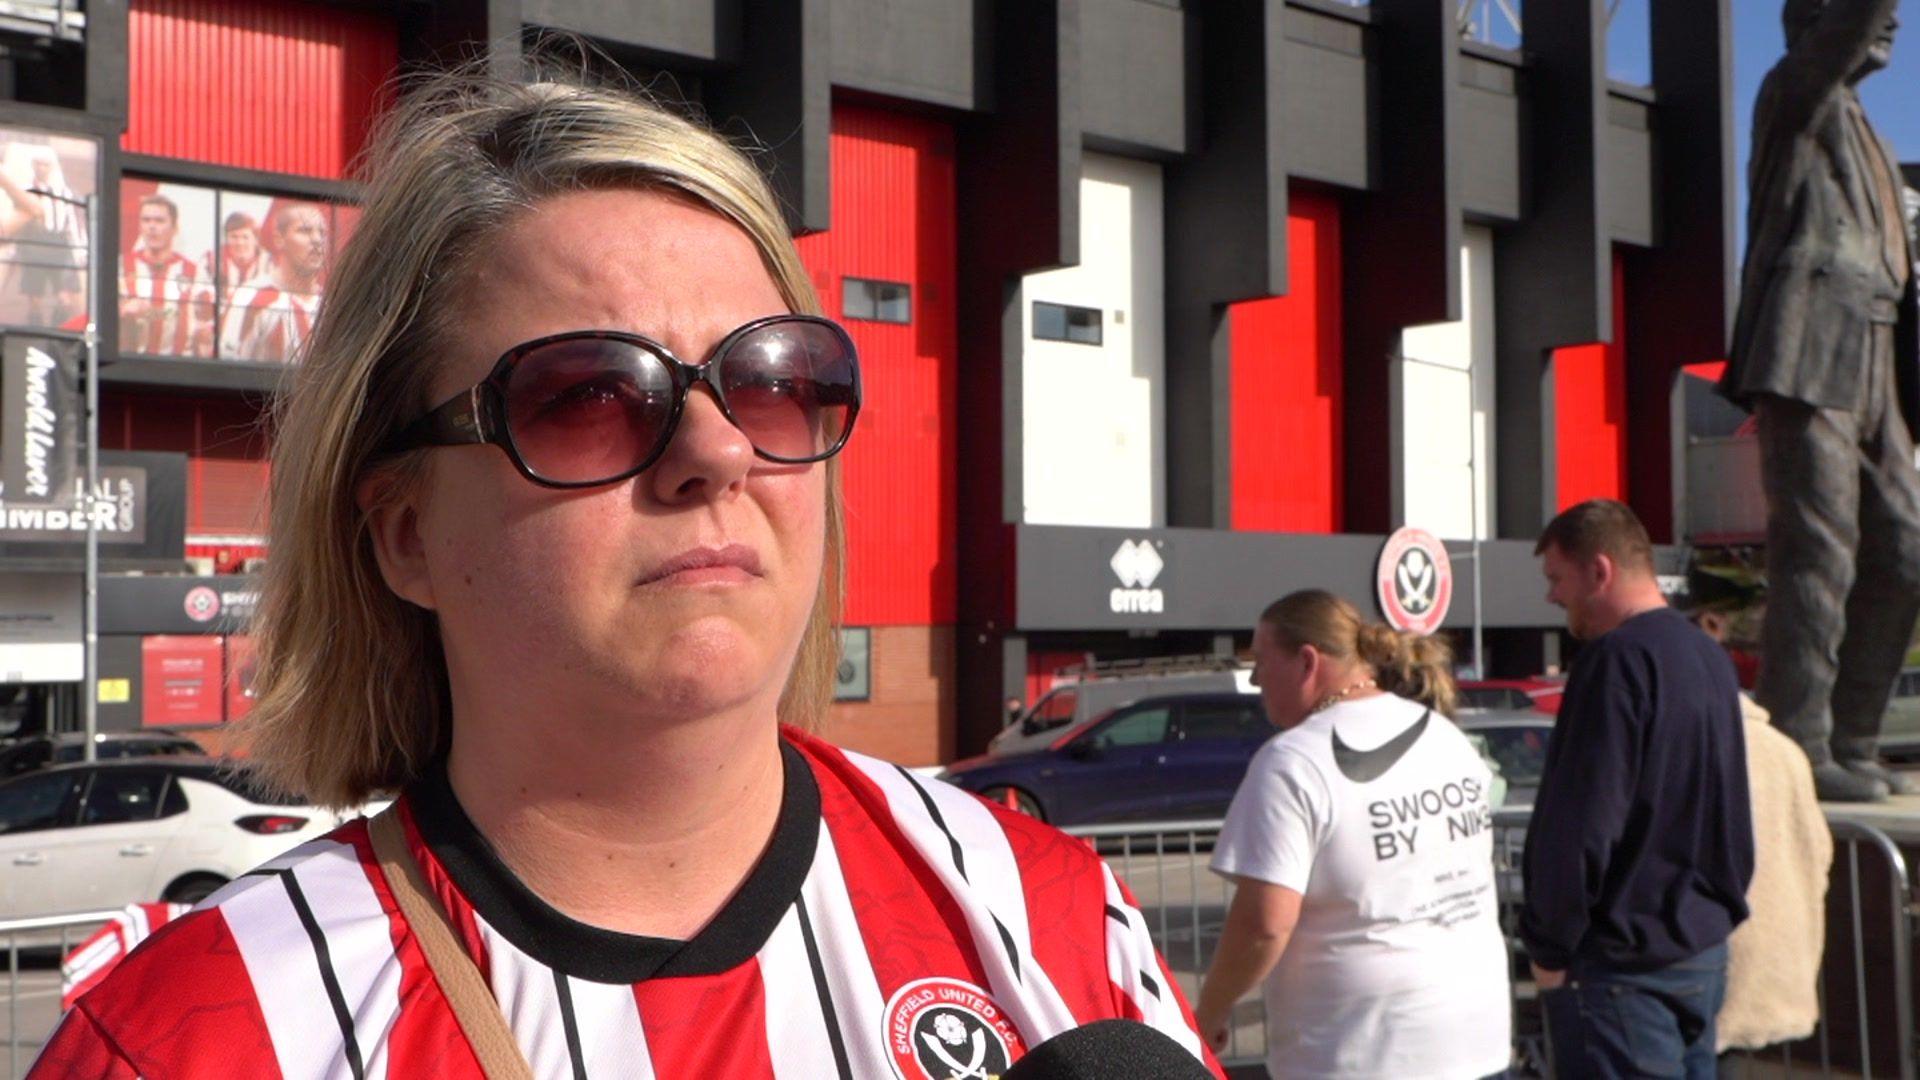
x=792 y=388
x=583 y=410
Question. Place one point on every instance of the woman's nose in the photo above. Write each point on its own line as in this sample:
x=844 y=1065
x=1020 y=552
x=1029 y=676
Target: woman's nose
x=707 y=457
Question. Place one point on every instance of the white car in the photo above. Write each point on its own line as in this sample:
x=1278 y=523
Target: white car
x=103 y=835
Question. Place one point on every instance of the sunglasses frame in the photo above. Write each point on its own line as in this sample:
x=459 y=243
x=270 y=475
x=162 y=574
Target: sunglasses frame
x=478 y=415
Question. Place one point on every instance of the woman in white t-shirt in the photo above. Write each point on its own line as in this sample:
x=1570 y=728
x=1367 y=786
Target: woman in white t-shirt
x=1361 y=848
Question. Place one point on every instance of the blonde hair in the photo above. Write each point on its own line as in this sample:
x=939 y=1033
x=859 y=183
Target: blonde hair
x=352 y=694
x=1413 y=666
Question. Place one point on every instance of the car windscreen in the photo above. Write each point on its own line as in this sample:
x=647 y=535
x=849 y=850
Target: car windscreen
x=1519 y=754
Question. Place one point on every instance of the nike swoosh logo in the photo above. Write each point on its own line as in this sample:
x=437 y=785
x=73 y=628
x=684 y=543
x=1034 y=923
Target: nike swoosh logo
x=1366 y=766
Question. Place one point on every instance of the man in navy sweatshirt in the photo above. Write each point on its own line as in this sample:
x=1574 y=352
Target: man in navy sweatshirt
x=1641 y=845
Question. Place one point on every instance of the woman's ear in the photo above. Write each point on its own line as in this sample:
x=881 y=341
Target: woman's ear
x=1310 y=663
x=393 y=523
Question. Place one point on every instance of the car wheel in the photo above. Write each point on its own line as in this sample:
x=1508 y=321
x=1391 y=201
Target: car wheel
x=193 y=888
x=1015 y=799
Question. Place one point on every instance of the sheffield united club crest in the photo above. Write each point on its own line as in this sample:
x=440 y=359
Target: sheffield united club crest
x=945 y=1029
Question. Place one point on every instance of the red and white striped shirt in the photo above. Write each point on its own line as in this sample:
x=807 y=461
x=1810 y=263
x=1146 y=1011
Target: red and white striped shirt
x=89 y=963
x=172 y=289
x=266 y=322
x=895 y=928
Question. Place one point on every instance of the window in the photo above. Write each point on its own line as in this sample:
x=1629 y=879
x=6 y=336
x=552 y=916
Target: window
x=1494 y=697
x=1056 y=708
x=38 y=802
x=880 y=301
x=25 y=757
x=120 y=795
x=1143 y=728
x=1222 y=720
x=853 y=676
x=1058 y=322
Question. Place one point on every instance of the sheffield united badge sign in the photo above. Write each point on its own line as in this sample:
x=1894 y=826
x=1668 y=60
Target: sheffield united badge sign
x=1414 y=581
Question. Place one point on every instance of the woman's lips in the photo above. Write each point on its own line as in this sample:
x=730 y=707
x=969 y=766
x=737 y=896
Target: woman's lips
x=728 y=564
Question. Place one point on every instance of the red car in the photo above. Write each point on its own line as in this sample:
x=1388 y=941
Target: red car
x=1539 y=693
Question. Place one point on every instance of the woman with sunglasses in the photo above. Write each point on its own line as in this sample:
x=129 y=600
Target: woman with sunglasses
x=556 y=556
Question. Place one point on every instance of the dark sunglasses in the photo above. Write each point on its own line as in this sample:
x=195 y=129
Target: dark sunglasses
x=590 y=407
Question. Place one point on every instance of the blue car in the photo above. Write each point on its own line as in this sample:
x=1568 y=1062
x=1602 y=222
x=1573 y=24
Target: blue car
x=1155 y=759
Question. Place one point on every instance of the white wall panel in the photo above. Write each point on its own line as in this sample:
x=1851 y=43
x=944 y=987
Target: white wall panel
x=1093 y=416
x=1444 y=407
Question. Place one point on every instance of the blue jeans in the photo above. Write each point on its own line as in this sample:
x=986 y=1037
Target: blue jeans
x=1611 y=1024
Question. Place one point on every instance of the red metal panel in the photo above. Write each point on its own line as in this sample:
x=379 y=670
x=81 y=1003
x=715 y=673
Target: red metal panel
x=180 y=679
x=1590 y=411
x=893 y=220
x=1286 y=405
x=263 y=84
x=226 y=450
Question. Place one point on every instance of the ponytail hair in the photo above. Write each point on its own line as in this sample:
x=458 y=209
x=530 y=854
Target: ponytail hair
x=1413 y=666
x=1408 y=665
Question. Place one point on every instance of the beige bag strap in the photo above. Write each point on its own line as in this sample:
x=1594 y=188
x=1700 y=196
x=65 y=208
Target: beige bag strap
x=473 y=1004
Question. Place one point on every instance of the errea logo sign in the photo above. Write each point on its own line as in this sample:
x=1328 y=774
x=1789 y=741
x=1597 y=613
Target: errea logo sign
x=1137 y=564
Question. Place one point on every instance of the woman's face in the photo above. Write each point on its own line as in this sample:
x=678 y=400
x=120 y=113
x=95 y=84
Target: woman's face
x=575 y=593
x=1285 y=676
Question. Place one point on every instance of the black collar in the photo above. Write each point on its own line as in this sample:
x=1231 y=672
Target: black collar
x=589 y=952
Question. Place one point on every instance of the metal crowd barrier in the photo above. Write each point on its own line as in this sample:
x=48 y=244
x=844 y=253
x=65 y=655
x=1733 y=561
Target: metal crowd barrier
x=1866 y=979
x=47 y=933
x=1866 y=1027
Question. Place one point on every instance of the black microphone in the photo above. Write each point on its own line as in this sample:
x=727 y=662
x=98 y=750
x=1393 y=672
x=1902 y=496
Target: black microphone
x=1109 y=1050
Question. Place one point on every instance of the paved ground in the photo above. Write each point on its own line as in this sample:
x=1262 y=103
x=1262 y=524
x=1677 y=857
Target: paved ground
x=31 y=1011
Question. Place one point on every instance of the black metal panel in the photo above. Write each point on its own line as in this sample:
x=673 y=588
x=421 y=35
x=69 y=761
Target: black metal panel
x=1213 y=579
x=157 y=605
x=1401 y=263
x=1226 y=240
x=233 y=178
x=1328 y=94
x=238 y=376
x=1553 y=272
x=1680 y=294
x=1018 y=187
x=781 y=91
x=709 y=30
x=1631 y=178
x=106 y=64
x=1134 y=67
x=452 y=32
x=915 y=50
x=1489 y=139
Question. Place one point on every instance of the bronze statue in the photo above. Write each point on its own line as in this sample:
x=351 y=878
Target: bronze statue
x=1824 y=354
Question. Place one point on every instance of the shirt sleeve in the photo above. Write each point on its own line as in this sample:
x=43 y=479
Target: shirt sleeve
x=1581 y=809
x=1278 y=822
x=79 y=1048
x=1143 y=989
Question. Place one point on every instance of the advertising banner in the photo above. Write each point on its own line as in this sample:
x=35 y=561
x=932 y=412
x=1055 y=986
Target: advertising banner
x=40 y=636
x=44 y=183
x=139 y=510
x=40 y=412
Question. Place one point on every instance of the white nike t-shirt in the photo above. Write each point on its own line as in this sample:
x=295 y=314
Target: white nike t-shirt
x=1377 y=812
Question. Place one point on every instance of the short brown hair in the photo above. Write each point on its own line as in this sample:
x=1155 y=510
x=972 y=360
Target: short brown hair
x=1600 y=527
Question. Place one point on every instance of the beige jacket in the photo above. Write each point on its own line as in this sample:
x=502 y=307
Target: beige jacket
x=1773 y=963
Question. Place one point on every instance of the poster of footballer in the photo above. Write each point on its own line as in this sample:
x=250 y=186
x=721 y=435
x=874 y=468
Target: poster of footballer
x=44 y=182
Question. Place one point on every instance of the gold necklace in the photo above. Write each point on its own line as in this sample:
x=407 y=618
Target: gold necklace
x=1337 y=697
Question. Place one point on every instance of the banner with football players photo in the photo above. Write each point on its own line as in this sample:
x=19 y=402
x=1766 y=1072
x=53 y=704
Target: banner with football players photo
x=227 y=275
x=44 y=183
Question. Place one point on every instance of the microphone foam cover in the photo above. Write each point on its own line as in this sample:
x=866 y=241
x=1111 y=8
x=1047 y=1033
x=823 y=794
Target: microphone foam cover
x=1109 y=1050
